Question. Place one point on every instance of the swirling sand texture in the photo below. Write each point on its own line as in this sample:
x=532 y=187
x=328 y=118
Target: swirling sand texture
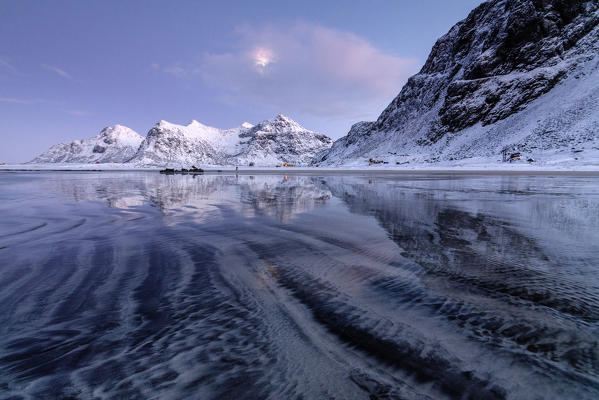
x=144 y=286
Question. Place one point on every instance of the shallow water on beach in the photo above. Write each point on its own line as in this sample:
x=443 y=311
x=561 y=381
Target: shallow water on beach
x=146 y=286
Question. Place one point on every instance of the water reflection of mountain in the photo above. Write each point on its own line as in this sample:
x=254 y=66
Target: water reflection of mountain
x=282 y=198
x=512 y=215
x=503 y=270
x=332 y=287
x=279 y=197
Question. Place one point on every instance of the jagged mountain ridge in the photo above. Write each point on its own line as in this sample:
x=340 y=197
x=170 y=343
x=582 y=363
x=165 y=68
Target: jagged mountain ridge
x=514 y=74
x=278 y=140
x=270 y=142
x=113 y=144
x=194 y=143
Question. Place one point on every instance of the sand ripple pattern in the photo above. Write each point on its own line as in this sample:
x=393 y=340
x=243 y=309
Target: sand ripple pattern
x=142 y=286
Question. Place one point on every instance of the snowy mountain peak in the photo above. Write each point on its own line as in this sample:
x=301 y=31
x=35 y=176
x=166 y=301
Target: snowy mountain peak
x=279 y=124
x=165 y=124
x=279 y=140
x=270 y=142
x=282 y=118
x=115 y=144
x=198 y=125
x=120 y=133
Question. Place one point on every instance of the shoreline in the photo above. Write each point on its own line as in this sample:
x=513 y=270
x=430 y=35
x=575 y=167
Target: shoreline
x=328 y=171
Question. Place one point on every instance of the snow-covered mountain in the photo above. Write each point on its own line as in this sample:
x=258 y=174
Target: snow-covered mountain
x=194 y=143
x=270 y=142
x=520 y=75
x=276 y=141
x=115 y=144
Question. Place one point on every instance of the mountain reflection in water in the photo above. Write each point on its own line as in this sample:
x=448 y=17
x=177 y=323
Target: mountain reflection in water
x=140 y=285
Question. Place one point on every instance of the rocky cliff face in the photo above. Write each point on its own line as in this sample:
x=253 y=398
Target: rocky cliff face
x=508 y=63
x=114 y=144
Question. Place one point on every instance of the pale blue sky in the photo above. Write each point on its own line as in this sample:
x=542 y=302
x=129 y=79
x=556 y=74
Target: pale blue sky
x=69 y=68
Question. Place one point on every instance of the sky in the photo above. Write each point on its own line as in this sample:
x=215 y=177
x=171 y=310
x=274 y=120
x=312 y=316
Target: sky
x=70 y=68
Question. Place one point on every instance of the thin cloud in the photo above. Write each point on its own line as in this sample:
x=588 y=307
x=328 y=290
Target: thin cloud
x=15 y=100
x=80 y=113
x=6 y=65
x=57 y=71
x=305 y=68
x=176 y=71
x=60 y=105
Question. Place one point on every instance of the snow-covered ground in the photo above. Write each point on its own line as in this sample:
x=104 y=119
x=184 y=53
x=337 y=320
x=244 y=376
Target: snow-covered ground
x=75 y=167
x=558 y=162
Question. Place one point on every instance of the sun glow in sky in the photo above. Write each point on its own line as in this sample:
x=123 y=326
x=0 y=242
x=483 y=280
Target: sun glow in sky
x=246 y=61
x=263 y=57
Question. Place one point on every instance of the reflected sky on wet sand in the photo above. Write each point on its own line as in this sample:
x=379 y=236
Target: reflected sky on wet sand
x=141 y=285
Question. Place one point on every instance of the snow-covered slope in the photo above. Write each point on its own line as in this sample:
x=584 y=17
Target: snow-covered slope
x=194 y=143
x=114 y=144
x=276 y=141
x=520 y=75
x=269 y=143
